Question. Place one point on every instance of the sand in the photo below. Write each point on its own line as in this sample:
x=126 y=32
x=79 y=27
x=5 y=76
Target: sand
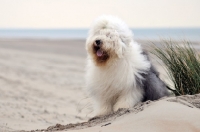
x=174 y=114
x=42 y=84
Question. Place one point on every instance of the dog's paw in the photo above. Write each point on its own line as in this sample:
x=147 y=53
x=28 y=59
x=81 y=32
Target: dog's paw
x=120 y=105
x=94 y=118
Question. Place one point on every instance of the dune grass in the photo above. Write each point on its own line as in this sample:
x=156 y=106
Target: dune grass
x=182 y=64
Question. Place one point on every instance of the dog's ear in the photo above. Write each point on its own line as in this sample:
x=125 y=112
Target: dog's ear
x=120 y=49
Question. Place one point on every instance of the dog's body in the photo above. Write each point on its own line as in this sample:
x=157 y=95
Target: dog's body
x=119 y=74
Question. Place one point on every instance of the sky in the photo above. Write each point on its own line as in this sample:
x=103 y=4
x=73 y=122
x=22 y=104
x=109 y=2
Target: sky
x=81 y=13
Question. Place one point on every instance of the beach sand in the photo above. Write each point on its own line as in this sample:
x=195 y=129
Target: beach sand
x=42 y=84
x=172 y=114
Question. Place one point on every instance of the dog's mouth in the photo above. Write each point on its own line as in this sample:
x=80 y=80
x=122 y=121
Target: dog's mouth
x=100 y=54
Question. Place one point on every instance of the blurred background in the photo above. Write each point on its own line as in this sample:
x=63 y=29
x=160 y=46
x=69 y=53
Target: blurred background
x=71 y=19
x=43 y=57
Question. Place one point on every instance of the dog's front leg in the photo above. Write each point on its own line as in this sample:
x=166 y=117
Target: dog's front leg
x=126 y=101
x=122 y=103
x=103 y=107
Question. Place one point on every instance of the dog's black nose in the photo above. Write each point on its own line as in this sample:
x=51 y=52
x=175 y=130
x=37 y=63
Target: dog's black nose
x=98 y=42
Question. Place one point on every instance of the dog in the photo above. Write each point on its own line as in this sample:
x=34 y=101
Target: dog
x=119 y=73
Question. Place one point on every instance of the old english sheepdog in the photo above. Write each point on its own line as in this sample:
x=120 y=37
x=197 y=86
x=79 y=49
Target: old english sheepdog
x=119 y=73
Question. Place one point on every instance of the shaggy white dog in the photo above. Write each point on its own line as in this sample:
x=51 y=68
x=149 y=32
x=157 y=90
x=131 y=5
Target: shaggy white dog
x=119 y=74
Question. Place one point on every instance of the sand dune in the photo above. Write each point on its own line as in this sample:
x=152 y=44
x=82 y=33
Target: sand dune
x=174 y=114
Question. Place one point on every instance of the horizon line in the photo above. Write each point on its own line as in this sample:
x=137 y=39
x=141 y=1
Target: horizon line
x=89 y=28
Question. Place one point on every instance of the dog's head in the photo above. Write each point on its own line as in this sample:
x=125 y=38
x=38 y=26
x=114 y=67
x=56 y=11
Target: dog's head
x=108 y=39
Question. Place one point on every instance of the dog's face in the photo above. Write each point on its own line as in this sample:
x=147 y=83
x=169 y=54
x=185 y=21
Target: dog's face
x=105 y=45
x=108 y=40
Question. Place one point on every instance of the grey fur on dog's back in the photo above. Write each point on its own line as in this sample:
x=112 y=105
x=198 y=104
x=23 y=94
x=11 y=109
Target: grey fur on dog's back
x=154 y=88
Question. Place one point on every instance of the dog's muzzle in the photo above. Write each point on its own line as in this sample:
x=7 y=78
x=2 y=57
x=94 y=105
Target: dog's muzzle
x=97 y=48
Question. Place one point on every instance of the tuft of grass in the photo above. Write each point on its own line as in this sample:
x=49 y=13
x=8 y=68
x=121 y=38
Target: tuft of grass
x=182 y=65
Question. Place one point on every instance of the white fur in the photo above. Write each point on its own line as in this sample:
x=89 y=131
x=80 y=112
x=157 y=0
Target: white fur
x=113 y=85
